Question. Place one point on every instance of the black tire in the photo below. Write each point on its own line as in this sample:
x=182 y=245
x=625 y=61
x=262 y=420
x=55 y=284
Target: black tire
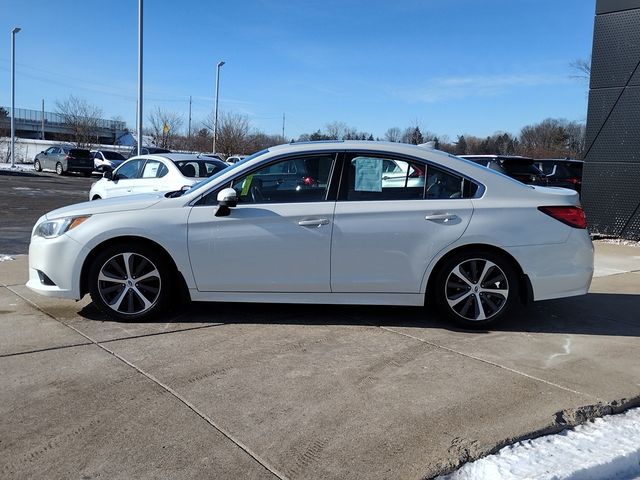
x=36 y=165
x=115 y=290
x=476 y=288
x=96 y=197
x=59 y=169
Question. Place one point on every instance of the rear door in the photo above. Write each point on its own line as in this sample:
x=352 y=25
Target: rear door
x=151 y=178
x=386 y=233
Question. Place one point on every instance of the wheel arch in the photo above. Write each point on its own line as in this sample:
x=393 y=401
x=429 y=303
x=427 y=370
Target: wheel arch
x=183 y=290
x=525 y=292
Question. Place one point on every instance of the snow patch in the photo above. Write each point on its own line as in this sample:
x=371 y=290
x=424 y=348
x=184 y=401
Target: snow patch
x=6 y=258
x=607 y=447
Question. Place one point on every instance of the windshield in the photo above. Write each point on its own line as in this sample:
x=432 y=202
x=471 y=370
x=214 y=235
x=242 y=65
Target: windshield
x=225 y=171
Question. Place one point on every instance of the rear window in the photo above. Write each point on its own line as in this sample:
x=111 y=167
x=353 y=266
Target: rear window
x=520 y=167
x=112 y=155
x=79 y=152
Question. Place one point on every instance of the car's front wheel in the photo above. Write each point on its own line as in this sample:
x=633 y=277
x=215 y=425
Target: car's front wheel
x=59 y=169
x=36 y=165
x=130 y=282
x=476 y=288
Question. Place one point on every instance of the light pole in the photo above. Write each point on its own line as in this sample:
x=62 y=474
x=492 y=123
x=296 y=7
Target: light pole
x=215 y=115
x=139 y=112
x=13 y=95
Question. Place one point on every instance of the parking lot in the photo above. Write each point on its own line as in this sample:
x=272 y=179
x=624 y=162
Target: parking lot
x=292 y=391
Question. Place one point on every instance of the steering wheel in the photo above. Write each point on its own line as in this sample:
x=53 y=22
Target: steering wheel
x=256 y=194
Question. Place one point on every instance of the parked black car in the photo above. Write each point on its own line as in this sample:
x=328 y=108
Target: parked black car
x=63 y=159
x=560 y=172
x=522 y=169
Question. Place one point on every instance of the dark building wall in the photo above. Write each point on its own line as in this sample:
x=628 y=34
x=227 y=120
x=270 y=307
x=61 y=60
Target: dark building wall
x=611 y=178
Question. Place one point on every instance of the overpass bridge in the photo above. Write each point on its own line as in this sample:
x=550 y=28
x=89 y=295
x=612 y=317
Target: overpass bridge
x=30 y=124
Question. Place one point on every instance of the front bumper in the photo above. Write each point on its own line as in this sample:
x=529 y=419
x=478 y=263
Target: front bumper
x=59 y=261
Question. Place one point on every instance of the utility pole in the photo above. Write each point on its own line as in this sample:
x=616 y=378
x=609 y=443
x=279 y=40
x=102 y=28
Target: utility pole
x=139 y=109
x=283 y=140
x=215 y=114
x=189 y=129
x=43 y=119
x=13 y=96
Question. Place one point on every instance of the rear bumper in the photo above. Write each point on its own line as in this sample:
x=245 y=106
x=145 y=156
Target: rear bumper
x=558 y=270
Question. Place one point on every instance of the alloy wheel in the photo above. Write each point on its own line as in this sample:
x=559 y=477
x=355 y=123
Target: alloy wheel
x=129 y=283
x=477 y=289
x=59 y=169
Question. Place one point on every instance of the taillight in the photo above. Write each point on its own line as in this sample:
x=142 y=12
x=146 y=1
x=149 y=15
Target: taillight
x=309 y=181
x=572 y=216
x=68 y=157
x=574 y=181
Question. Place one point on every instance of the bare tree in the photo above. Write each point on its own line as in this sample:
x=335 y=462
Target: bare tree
x=581 y=68
x=165 y=127
x=233 y=130
x=394 y=134
x=82 y=118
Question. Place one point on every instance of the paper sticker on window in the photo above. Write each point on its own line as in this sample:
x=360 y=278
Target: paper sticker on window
x=368 y=174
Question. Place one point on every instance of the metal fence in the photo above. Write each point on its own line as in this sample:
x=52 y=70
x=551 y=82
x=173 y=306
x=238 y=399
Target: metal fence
x=26 y=115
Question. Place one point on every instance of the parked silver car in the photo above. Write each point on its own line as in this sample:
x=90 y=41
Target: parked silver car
x=63 y=159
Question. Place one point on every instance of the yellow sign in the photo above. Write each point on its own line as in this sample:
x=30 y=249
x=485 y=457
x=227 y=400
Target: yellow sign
x=165 y=128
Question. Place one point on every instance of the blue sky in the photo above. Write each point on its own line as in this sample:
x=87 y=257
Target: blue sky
x=451 y=66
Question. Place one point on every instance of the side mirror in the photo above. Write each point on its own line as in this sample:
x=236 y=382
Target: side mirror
x=44 y=152
x=108 y=174
x=227 y=198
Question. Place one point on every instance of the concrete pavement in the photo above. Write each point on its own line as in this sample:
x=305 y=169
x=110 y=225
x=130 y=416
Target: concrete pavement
x=288 y=391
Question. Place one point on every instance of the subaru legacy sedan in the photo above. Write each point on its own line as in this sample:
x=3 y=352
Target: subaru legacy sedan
x=317 y=223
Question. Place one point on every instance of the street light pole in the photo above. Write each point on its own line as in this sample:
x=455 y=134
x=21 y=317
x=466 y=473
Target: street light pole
x=215 y=115
x=139 y=112
x=13 y=95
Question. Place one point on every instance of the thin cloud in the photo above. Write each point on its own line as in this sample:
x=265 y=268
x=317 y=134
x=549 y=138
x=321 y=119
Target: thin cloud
x=459 y=87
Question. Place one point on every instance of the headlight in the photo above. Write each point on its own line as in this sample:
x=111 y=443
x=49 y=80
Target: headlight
x=55 y=228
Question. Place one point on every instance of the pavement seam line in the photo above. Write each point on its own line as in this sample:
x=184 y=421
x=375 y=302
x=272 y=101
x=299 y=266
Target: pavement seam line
x=488 y=362
x=38 y=350
x=175 y=394
x=144 y=335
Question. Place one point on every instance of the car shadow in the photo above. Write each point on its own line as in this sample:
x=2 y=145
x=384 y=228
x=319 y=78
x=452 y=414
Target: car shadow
x=591 y=314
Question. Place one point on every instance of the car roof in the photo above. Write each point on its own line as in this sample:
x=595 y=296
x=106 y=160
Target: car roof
x=556 y=160
x=497 y=157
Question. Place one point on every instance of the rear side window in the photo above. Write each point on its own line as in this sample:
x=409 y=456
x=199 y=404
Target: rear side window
x=154 y=169
x=376 y=178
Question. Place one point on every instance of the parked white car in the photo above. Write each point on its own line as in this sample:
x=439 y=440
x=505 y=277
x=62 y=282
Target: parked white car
x=155 y=173
x=314 y=223
x=234 y=159
x=106 y=159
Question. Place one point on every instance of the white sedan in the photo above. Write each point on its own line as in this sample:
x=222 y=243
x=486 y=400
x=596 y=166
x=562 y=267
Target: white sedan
x=155 y=173
x=316 y=223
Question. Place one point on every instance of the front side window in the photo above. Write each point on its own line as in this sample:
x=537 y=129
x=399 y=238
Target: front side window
x=130 y=169
x=294 y=180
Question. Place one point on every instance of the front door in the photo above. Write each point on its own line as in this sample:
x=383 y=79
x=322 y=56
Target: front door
x=277 y=239
x=124 y=178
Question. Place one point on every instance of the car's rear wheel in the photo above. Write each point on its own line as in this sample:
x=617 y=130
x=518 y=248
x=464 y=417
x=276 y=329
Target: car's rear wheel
x=476 y=288
x=59 y=169
x=130 y=282
x=36 y=165
x=96 y=197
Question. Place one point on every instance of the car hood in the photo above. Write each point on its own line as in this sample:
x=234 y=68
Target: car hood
x=115 y=204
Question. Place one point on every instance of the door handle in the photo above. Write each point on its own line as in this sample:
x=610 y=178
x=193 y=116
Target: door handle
x=318 y=222
x=441 y=217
